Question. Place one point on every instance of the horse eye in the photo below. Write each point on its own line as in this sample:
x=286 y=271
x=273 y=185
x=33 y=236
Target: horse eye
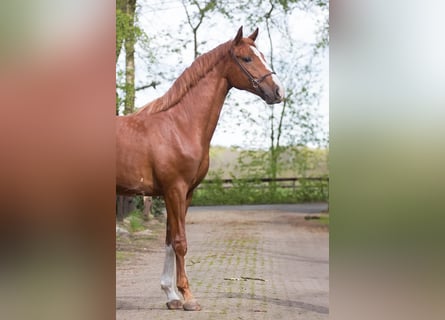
x=246 y=59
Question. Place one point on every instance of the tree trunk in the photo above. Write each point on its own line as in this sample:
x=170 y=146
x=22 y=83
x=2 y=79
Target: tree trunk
x=121 y=5
x=124 y=205
x=130 y=41
x=148 y=202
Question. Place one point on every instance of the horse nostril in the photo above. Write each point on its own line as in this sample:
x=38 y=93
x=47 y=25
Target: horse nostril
x=278 y=92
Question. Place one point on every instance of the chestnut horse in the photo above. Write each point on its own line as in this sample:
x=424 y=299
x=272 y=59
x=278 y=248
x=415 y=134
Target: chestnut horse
x=163 y=149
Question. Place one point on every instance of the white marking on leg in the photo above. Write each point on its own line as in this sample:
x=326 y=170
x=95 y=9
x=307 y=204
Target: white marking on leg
x=168 y=278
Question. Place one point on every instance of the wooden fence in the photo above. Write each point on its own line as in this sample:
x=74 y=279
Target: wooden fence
x=322 y=183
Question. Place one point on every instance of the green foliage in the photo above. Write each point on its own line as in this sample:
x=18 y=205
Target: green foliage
x=157 y=206
x=248 y=170
x=127 y=28
x=122 y=29
x=136 y=217
x=128 y=35
x=136 y=221
x=324 y=219
x=256 y=192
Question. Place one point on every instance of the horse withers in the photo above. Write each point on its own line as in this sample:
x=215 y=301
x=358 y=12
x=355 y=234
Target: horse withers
x=163 y=148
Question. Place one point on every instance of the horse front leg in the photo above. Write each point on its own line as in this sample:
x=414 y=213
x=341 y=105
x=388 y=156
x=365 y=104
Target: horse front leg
x=177 y=201
x=168 y=278
x=190 y=304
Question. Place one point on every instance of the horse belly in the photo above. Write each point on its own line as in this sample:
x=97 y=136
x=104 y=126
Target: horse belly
x=136 y=186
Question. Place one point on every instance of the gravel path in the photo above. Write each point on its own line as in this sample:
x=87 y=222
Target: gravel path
x=243 y=263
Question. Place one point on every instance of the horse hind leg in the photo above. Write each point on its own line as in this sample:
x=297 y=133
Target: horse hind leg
x=168 y=279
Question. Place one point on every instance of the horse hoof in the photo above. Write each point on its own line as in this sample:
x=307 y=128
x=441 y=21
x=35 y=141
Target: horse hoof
x=192 y=305
x=174 y=305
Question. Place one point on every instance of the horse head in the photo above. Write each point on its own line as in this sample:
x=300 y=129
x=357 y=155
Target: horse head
x=249 y=71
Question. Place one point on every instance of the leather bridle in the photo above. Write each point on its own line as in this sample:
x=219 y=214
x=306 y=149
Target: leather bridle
x=255 y=81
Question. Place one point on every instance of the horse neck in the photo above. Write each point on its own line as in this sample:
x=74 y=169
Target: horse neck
x=201 y=106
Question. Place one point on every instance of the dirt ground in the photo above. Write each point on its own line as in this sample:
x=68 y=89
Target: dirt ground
x=265 y=262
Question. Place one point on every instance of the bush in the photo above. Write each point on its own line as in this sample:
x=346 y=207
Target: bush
x=244 y=191
x=157 y=206
x=135 y=221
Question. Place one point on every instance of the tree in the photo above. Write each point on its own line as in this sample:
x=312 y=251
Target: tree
x=130 y=41
x=130 y=37
x=195 y=20
x=127 y=33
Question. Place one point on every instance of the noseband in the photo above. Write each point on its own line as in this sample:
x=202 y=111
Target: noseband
x=255 y=81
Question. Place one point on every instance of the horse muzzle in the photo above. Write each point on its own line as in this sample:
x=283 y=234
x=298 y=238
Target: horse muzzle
x=276 y=95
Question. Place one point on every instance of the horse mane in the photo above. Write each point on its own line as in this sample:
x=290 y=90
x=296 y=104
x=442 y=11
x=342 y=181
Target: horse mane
x=188 y=79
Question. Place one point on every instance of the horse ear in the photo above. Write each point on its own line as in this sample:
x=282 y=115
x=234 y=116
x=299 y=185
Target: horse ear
x=238 y=36
x=254 y=34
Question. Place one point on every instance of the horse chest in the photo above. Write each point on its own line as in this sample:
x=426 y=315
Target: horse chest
x=203 y=168
x=198 y=165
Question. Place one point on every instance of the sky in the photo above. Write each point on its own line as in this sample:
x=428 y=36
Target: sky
x=163 y=16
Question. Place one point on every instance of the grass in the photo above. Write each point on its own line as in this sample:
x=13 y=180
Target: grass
x=123 y=255
x=127 y=246
x=136 y=222
x=324 y=219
